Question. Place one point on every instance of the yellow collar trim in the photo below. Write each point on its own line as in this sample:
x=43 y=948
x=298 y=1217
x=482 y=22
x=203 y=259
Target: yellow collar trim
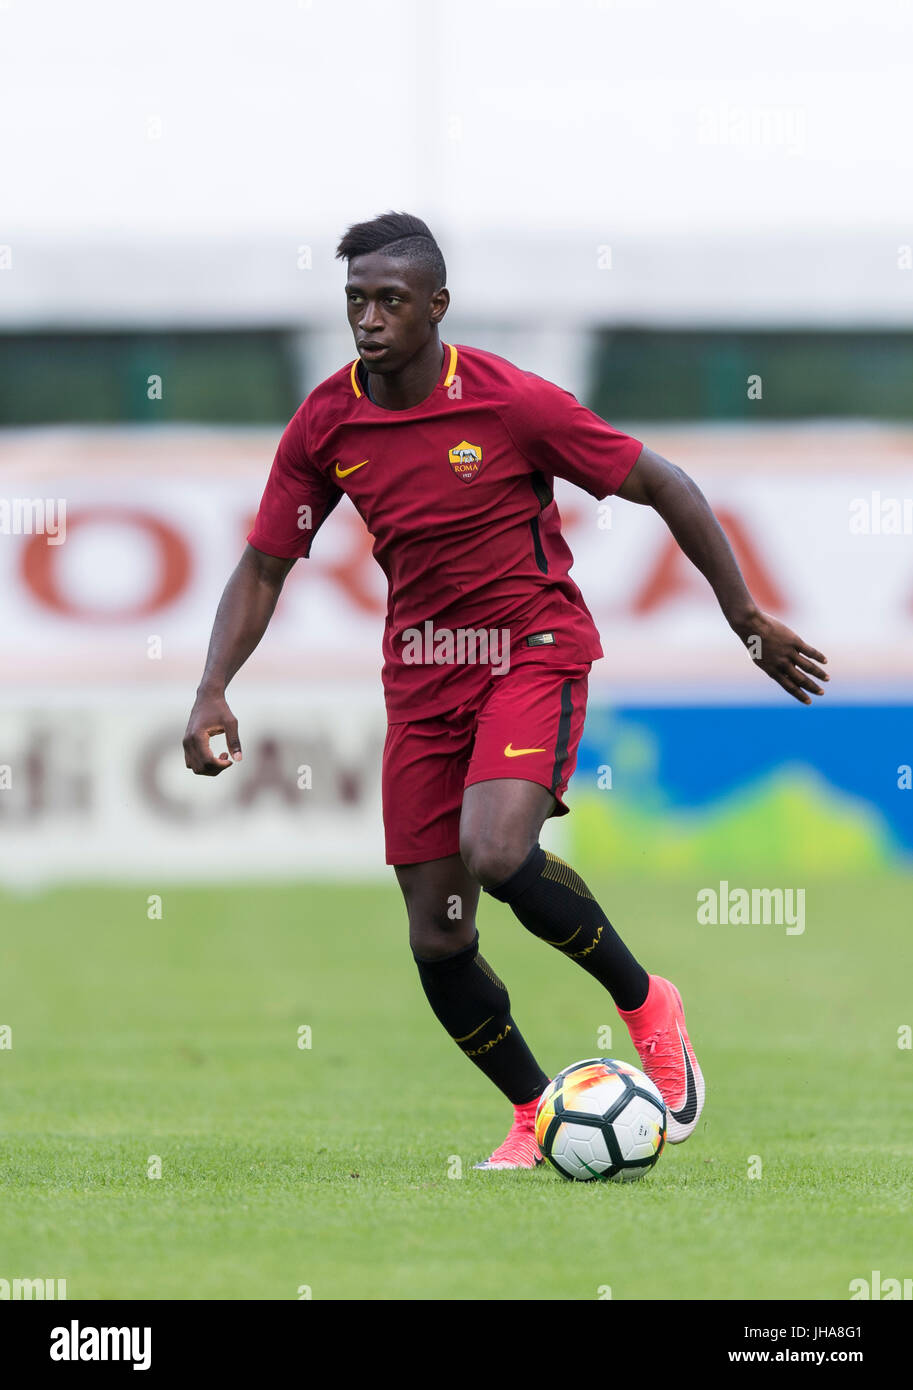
x=448 y=379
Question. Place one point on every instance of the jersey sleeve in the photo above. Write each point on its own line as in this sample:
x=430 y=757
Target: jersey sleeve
x=563 y=439
x=296 y=501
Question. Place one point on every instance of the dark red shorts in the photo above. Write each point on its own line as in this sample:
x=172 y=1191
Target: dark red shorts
x=525 y=724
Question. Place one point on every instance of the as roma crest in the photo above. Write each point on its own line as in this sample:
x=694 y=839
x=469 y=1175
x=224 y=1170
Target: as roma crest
x=466 y=460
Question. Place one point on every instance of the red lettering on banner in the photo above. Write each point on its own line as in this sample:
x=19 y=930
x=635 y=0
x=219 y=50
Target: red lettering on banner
x=40 y=566
x=674 y=574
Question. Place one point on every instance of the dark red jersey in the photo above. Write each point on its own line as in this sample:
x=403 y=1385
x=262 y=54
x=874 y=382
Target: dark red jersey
x=457 y=493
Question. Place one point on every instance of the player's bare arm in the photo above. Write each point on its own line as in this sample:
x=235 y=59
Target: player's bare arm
x=242 y=617
x=787 y=659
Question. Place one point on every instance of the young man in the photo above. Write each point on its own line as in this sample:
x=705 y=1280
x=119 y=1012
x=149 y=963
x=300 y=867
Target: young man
x=449 y=454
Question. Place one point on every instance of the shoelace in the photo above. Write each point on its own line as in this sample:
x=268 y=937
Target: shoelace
x=665 y=1073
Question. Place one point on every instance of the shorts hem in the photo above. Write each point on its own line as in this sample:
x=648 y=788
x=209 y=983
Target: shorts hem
x=560 y=810
x=400 y=858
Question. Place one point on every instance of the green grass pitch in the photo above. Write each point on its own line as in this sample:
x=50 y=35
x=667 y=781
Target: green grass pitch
x=329 y=1167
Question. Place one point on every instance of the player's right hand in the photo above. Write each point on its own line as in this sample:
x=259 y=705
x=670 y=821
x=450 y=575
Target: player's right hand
x=210 y=715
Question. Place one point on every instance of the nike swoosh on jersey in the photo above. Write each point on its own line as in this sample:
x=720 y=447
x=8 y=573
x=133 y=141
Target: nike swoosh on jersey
x=344 y=472
x=511 y=752
x=689 y=1109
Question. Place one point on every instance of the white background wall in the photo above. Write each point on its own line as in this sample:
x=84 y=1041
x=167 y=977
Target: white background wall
x=740 y=160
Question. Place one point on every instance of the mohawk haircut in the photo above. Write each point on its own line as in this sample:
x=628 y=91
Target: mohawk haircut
x=397 y=234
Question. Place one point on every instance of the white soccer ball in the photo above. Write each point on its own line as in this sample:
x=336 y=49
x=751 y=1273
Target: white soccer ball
x=601 y=1118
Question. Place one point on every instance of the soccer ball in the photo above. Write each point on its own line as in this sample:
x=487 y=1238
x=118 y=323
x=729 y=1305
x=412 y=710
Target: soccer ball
x=601 y=1119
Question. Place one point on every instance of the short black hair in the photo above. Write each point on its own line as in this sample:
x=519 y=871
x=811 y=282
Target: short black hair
x=397 y=234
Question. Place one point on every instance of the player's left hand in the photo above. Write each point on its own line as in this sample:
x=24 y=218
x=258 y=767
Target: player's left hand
x=785 y=657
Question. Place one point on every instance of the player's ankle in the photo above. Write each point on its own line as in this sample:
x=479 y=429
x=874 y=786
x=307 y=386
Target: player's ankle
x=527 y=1111
x=633 y=1017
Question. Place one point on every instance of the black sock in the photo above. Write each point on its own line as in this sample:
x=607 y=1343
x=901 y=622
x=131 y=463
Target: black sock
x=474 y=1007
x=554 y=903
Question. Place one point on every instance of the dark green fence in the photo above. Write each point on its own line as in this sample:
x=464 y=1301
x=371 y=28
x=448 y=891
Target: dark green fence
x=660 y=375
x=250 y=377
x=211 y=377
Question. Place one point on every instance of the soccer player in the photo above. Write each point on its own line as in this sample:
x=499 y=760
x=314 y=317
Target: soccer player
x=449 y=455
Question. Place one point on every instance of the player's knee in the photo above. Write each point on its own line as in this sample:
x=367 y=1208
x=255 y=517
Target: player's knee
x=493 y=860
x=432 y=938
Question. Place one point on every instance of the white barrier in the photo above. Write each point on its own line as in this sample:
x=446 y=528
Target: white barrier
x=104 y=627
x=156 y=520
